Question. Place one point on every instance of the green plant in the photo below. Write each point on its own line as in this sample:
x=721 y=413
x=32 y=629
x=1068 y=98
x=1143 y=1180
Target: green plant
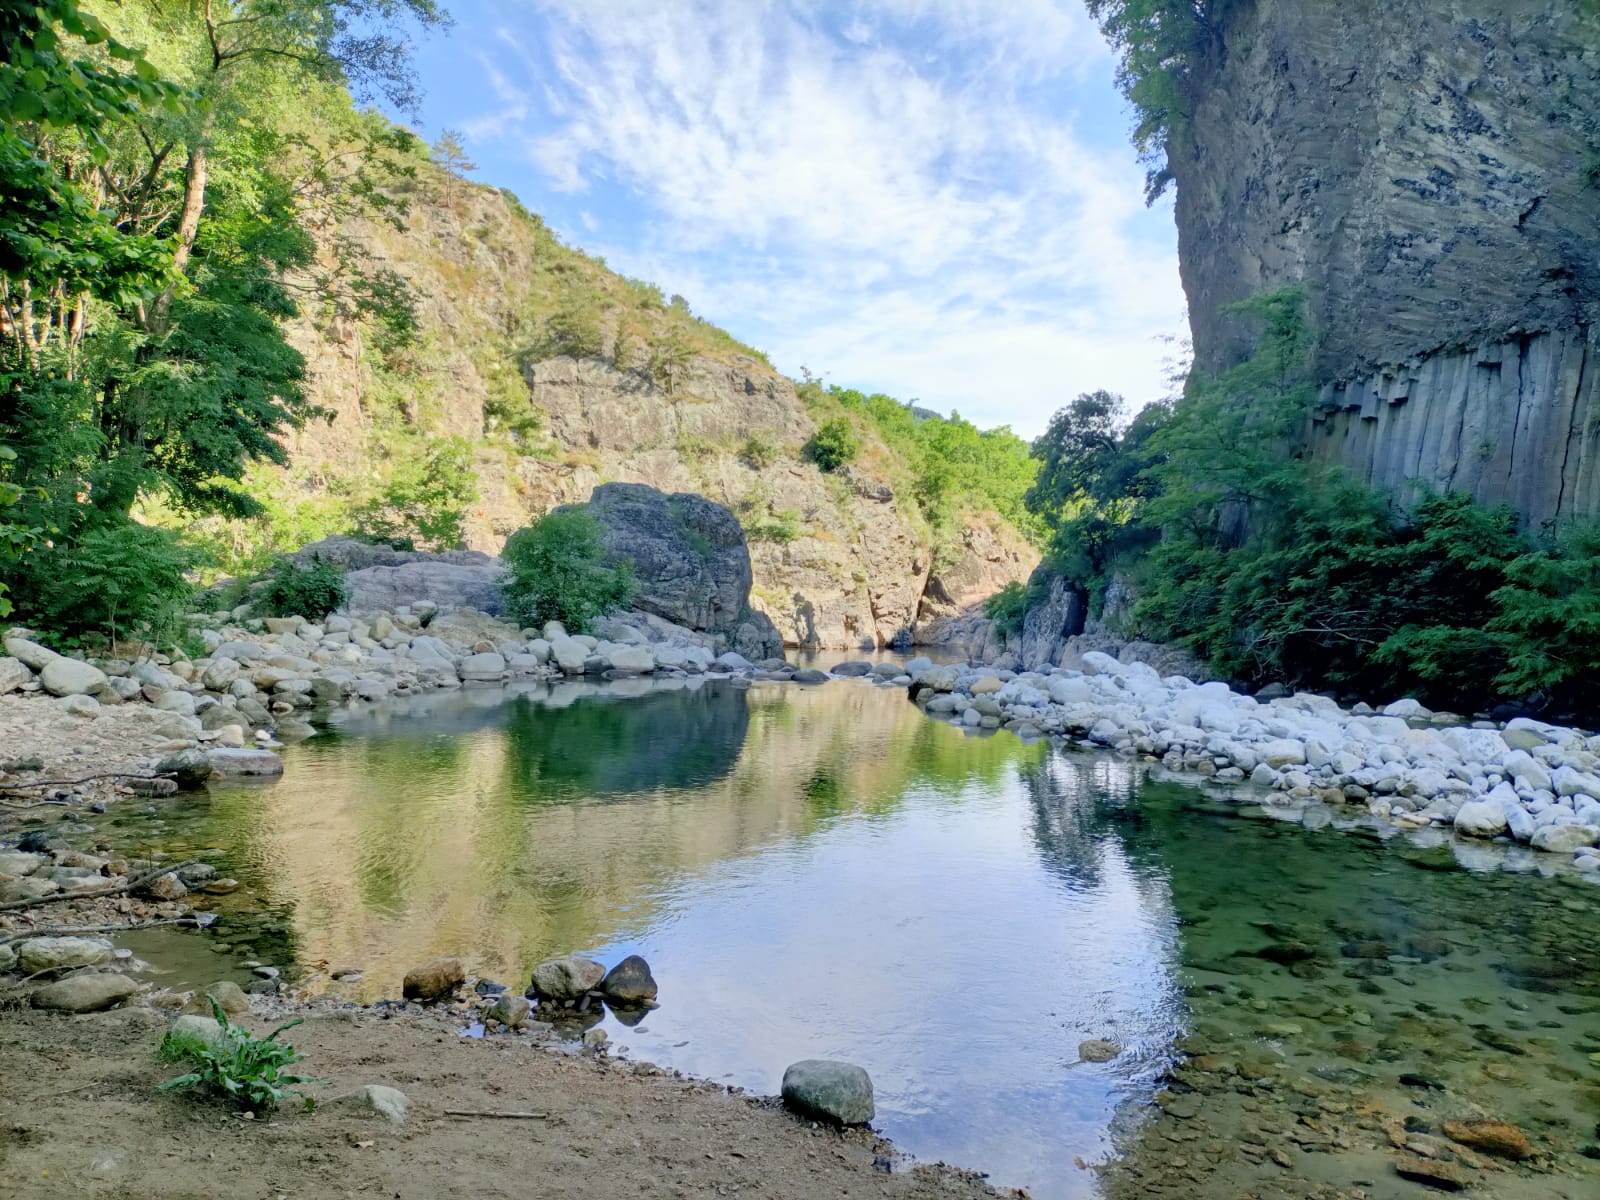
x=833 y=445
x=758 y=453
x=1007 y=607
x=559 y=572
x=783 y=527
x=246 y=1069
x=312 y=591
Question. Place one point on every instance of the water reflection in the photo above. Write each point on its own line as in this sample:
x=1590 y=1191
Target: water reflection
x=825 y=872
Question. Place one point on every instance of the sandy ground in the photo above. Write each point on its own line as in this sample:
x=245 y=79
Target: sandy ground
x=80 y=1116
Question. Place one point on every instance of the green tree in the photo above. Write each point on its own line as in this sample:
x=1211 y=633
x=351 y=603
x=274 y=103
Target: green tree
x=450 y=155
x=559 y=572
x=171 y=194
x=834 y=444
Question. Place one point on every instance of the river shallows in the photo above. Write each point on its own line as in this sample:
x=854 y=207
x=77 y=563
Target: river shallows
x=826 y=872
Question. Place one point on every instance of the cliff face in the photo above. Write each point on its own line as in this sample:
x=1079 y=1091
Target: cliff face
x=851 y=563
x=1429 y=174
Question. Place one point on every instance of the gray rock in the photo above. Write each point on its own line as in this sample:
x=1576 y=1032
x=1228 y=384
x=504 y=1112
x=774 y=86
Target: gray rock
x=8 y=956
x=34 y=655
x=1481 y=818
x=20 y=862
x=243 y=762
x=510 y=1010
x=838 y=1092
x=228 y=995
x=629 y=982
x=81 y=706
x=809 y=675
x=373 y=1100
x=191 y=768
x=635 y=659
x=1563 y=839
x=13 y=674
x=1098 y=1050
x=689 y=558
x=733 y=661
x=569 y=654
x=482 y=667
x=567 y=979
x=84 y=993
x=192 y=1032
x=62 y=953
x=853 y=670
x=69 y=677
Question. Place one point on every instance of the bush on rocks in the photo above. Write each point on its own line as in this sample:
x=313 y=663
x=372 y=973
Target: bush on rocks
x=559 y=572
x=313 y=590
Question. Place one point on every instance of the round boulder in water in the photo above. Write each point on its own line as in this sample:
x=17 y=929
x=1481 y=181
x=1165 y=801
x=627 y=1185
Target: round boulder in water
x=629 y=982
x=828 y=1090
x=853 y=670
x=566 y=979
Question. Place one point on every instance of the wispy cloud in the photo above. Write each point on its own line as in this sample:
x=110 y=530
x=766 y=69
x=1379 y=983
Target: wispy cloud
x=904 y=193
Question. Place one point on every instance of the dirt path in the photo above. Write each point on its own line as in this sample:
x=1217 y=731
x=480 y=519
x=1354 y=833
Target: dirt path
x=80 y=1117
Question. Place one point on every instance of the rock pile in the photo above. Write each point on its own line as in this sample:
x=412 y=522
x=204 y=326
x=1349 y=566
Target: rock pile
x=1536 y=783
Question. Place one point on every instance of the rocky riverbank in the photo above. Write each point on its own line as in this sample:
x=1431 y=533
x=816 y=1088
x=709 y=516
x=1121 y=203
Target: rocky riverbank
x=1526 y=781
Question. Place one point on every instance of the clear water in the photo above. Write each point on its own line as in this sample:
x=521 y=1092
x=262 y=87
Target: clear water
x=826 y=872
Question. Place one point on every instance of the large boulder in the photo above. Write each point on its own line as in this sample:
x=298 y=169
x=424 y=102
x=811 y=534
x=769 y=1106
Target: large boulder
x=690 y=558
x=61 y=953
x=13 y=674
x=838 y=1092
x=382 y=579
x=567 y=979
x=629 y=982
x=85 y=993
x=434 y=980
x=69 y=677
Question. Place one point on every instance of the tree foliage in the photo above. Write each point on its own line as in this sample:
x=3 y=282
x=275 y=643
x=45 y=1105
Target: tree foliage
x=1273 y=567
x=1159 y=42
x=171 y=164
x=834 y=444
x=559 y=572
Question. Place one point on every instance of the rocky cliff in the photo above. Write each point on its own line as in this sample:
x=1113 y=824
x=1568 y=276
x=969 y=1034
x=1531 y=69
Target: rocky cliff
x=660 y=398
x=1429 y=175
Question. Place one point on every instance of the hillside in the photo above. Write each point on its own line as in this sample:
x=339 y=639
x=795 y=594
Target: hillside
x=535 y=373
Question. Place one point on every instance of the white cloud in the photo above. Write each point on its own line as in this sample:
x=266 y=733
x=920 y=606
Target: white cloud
x=879 y=192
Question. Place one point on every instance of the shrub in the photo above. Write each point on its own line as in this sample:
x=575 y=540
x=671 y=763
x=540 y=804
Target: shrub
x=114 y=580
x=1007 y=607
x=758 y=453
x=244 y=1068
x=559 y=572
x=311 y=591
x=783 y=527
x=833 y=445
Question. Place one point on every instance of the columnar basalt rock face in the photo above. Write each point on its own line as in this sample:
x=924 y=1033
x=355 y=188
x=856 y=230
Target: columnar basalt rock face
x=1426 y=173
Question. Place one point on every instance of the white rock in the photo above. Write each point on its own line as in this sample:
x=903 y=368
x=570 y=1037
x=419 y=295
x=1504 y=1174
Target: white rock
x=1481 y=818
x=554 y=631
x=482 y=667
x=1564 y=839
x=34 y=655
x=1407 y=709
x=60 y=953
x=1282 y=752
x=641 y=659
x=570 y=654
x=82 y=706
x=13 y=674
x=69 y=677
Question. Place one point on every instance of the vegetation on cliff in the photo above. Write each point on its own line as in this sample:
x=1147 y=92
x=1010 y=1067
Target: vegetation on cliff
x=1275 y=567
x=176 y=161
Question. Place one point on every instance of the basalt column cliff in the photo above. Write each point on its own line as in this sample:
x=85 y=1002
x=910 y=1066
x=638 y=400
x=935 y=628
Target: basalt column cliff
x=1429 y=174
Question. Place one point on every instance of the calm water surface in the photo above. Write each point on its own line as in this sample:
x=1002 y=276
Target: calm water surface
x=825 y=872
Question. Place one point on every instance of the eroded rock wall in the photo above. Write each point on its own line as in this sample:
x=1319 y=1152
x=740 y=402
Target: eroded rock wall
x=1429 y=174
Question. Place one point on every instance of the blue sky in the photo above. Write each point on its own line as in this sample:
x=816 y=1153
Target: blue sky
x=931 y=198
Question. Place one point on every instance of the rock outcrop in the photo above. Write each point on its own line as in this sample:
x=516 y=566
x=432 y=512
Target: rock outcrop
x=690 y=560
x=382 y=579
x=852 y=563
x=1426 y=174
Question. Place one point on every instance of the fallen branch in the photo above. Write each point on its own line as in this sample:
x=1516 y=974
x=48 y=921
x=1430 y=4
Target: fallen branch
x=75 y=930
x=14 y=805
x=44 y=783
x=115 y=891
x=496 y=1115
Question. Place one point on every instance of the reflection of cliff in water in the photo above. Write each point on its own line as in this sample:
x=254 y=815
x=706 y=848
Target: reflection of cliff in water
x=507 y=830
x=601 y=747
